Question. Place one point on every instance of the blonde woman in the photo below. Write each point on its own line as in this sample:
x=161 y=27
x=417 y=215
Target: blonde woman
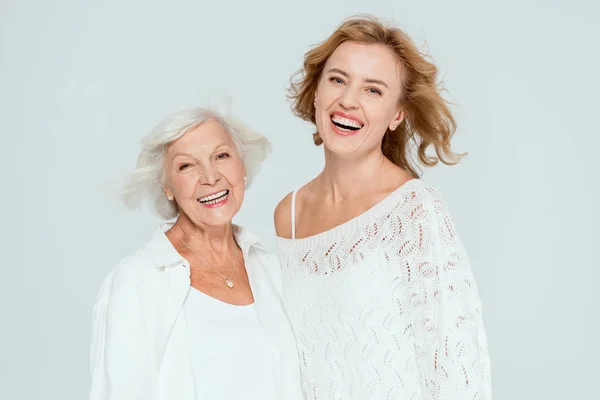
x=377 y=284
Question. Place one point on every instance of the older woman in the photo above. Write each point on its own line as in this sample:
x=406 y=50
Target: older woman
x=377 y=283
x=196 y=312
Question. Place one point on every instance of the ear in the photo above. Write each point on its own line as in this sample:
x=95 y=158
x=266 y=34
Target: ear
x=397 y=120
x=168 y=193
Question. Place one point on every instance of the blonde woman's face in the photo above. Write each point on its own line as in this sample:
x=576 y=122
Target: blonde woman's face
x=357 y=98
x=205 y=175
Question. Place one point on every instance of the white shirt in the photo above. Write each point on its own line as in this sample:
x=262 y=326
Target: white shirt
x=385 y=306
x=231 y=353
x=140 y=344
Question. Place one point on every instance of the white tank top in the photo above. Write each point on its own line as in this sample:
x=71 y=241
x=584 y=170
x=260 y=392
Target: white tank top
x=231 y=354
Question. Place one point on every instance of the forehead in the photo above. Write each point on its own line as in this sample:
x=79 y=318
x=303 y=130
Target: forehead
x=373 y=61
x=205 y=136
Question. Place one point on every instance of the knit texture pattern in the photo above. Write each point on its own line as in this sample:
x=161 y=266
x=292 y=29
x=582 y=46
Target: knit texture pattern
x=385 y=306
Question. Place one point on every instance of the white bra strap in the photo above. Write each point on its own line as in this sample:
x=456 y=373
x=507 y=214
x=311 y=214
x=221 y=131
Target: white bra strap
x=294 y=214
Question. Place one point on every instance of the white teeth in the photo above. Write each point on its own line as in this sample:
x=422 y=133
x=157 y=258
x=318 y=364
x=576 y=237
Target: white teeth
x=346 y=122
x=207 y=199
x=214 y=201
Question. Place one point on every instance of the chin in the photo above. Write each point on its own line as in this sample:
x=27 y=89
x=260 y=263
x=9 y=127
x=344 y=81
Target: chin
x=213 y=217
x=342 y=145
x=217 y=220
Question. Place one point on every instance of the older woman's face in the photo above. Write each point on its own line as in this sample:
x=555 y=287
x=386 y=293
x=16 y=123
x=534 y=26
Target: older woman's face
x=205 y=174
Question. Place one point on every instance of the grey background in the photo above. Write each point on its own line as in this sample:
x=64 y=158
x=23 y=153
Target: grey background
x=82 y=81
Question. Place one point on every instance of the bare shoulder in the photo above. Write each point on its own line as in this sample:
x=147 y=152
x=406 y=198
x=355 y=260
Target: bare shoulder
x=283 y=217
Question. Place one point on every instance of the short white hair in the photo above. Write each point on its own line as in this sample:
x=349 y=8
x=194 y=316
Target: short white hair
x=148 y=178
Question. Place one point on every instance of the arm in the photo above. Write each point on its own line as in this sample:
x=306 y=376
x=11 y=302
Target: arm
x=450 y=341
x=116 y=351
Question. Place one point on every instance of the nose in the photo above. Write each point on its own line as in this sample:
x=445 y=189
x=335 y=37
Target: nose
x=349 y=99
x=210 y=176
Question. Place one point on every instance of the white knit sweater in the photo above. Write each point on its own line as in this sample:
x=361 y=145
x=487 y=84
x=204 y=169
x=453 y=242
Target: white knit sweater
x=385 y=306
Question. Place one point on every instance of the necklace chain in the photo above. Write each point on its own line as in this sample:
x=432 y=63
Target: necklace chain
x=227 y=279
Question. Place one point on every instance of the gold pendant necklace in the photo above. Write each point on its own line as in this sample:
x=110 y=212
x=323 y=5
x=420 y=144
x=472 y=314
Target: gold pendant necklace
x=228 y=280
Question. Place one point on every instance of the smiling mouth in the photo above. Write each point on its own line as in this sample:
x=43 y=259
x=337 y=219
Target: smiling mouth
x=346 y=124
x=214 y=198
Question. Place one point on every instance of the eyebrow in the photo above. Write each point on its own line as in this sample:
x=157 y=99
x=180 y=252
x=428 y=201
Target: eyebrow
x=180 y=154
x=217 y=147
x=368 y=80
x=220 y=146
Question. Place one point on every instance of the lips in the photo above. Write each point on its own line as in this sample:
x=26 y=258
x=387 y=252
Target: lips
x=345 y=124
x=214 y=198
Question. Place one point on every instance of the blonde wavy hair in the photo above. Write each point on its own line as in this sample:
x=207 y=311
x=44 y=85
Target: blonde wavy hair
x=428 y=121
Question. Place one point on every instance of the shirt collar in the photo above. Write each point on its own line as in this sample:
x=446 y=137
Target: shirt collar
x=163 y=254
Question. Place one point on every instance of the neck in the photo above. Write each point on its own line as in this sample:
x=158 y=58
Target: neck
x=216 y=240
x=347 y=177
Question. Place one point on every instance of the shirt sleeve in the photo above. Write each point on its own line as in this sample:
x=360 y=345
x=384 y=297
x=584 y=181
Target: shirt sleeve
x=450 y=341
x=116 y=349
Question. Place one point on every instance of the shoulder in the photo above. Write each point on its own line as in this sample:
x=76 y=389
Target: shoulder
x=251 y=244
x=258 y=254
x=425 y=211
x=422 y=209
x=267 y=261
x=124 y=279
x=131 y=267
x=283 y=217
x=255 y=248
x=283 y=211
x=420 y=198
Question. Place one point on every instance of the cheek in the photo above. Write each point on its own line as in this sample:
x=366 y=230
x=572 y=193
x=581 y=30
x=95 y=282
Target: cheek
x=379 y=114
x=326 y=98
x=235 y=177
x=234 y=172
x=183 y=183
x=327 y=94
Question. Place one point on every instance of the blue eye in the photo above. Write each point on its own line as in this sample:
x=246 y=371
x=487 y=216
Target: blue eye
x=375 y=91
x=223 y=156
x=335 y=79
